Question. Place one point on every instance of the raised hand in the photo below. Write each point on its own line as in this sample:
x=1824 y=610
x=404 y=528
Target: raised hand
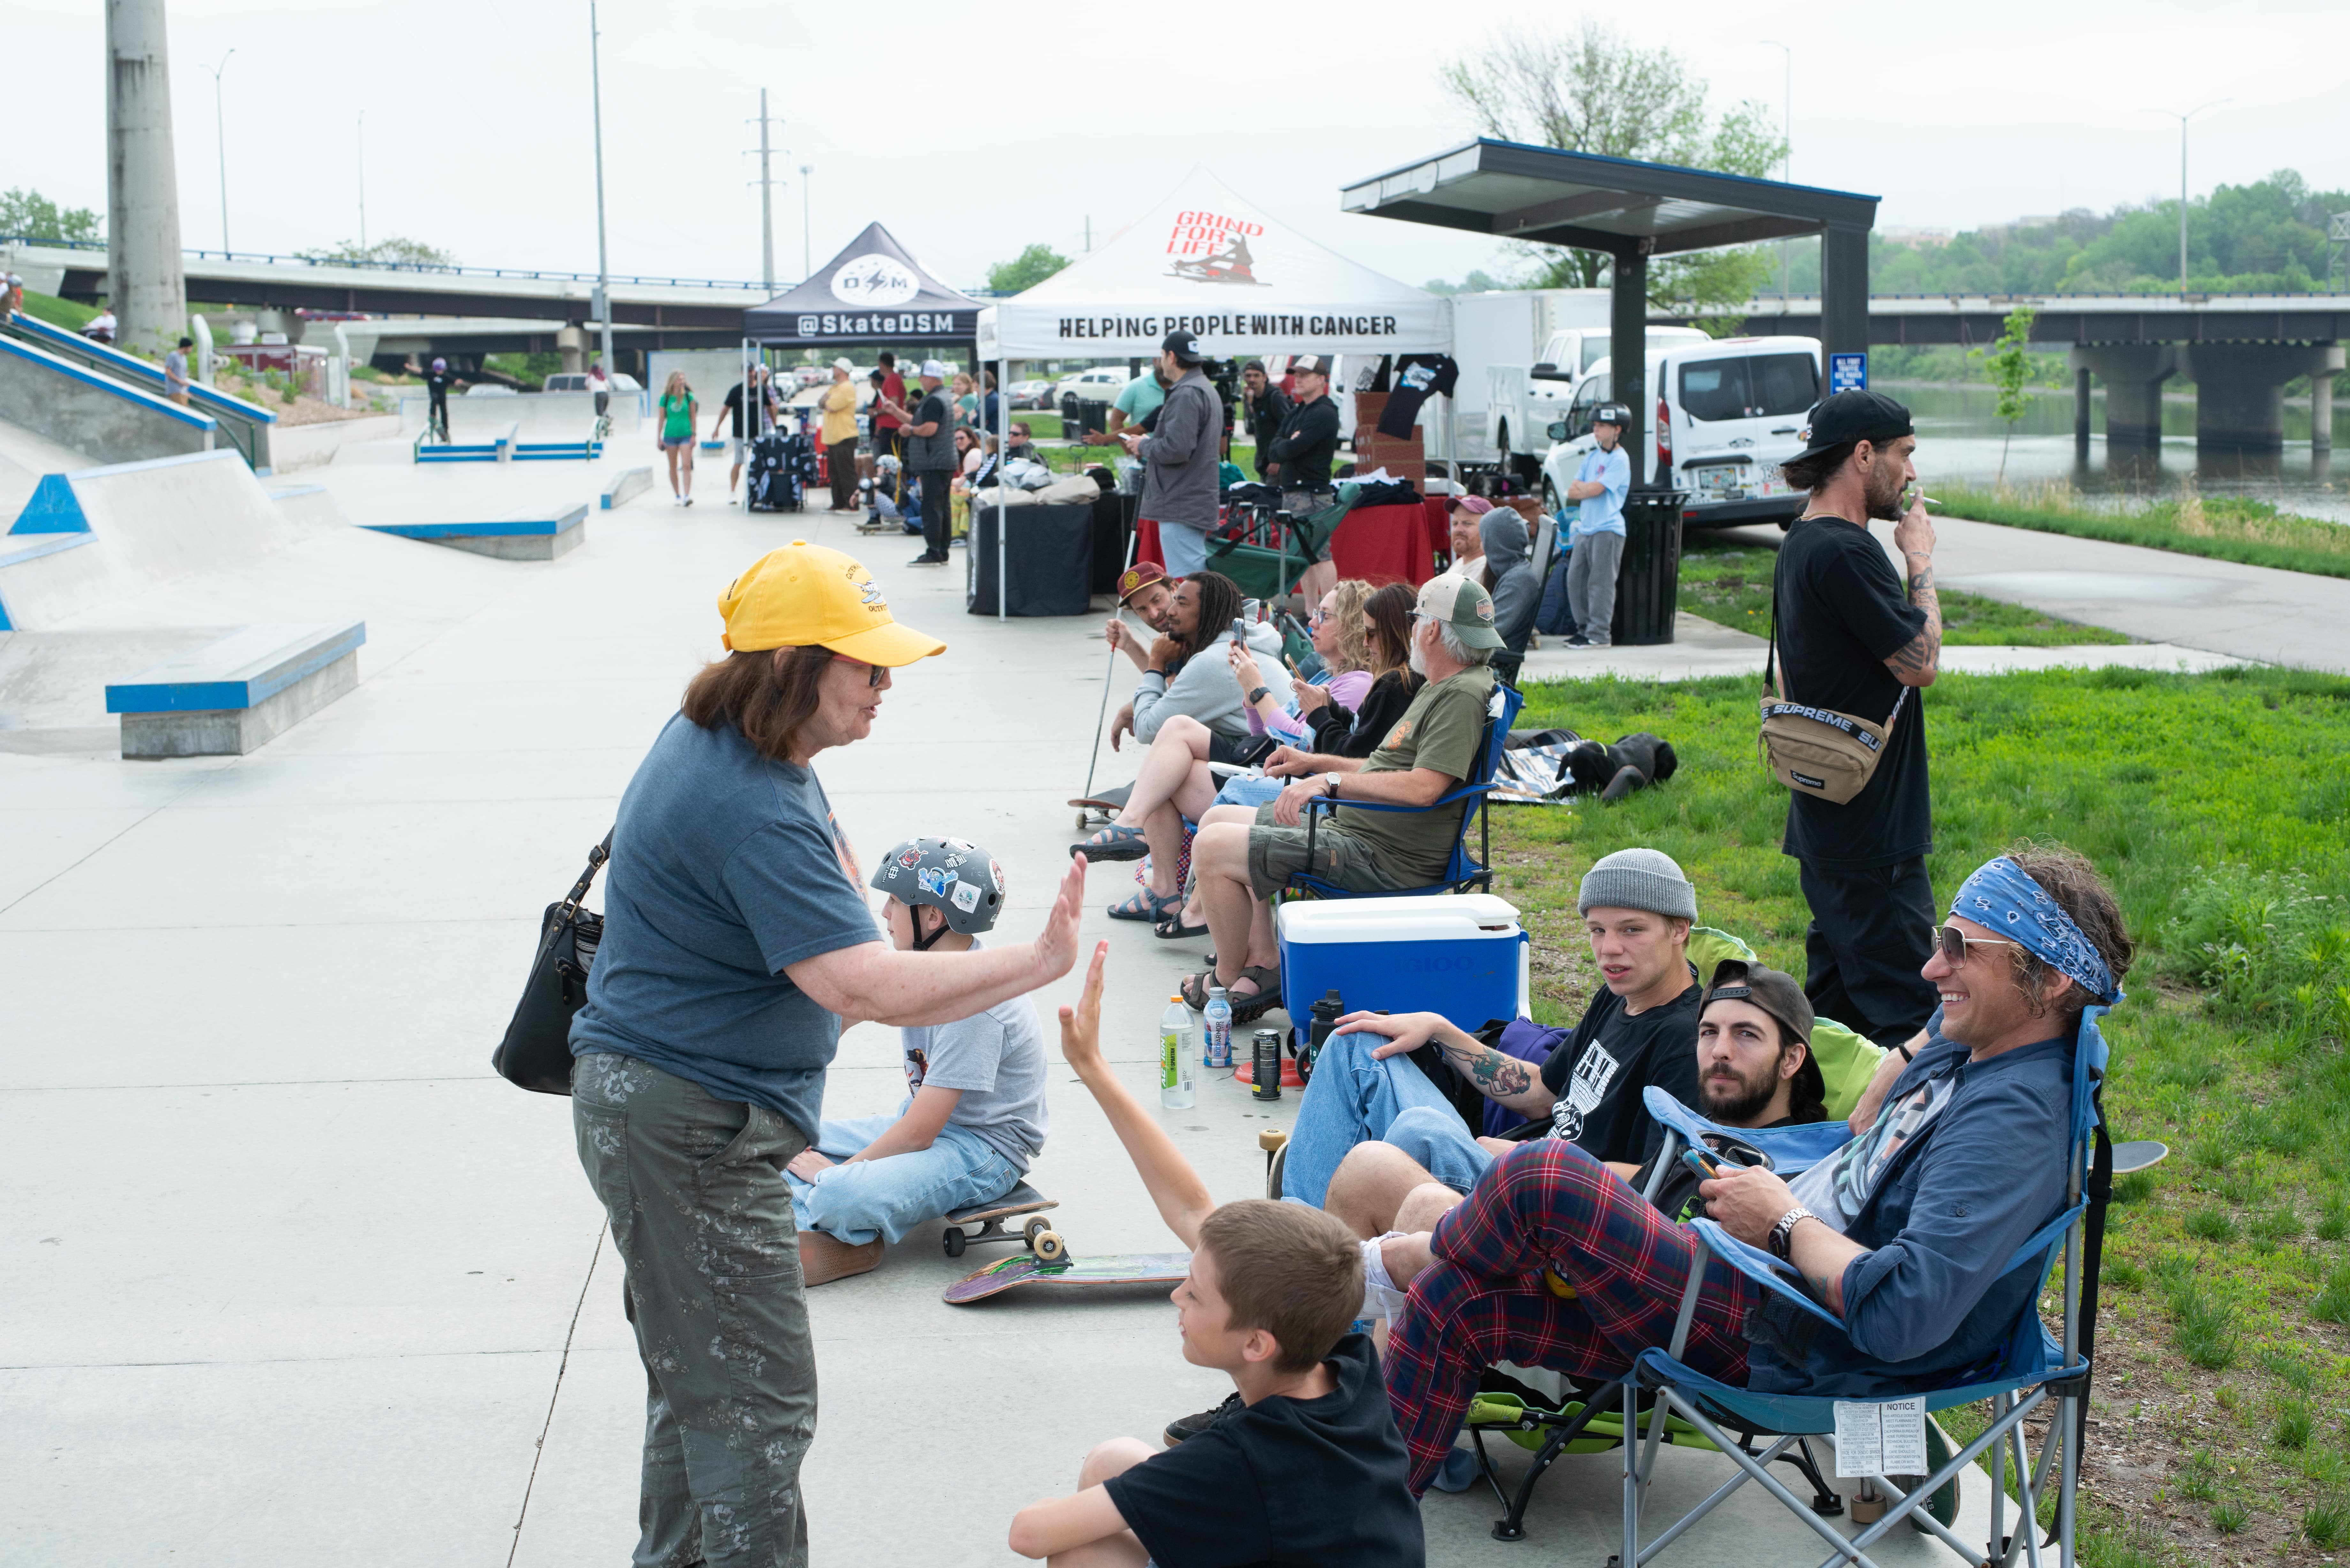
x=1081 y=1024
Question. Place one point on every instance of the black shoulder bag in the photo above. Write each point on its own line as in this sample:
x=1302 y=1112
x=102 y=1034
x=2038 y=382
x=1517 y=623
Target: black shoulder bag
x=536 y=1055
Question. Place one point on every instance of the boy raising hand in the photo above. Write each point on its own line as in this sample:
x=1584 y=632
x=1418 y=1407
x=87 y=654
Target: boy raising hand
x=1308 y=1468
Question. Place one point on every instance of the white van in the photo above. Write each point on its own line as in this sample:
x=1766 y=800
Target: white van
x=1728 y=413
x=1521 y=400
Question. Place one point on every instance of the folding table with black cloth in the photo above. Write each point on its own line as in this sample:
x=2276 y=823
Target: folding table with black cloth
x=1048 y=558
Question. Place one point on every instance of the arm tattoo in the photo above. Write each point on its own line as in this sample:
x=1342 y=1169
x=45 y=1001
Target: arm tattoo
x=1497 y=1076
x=1923 y=653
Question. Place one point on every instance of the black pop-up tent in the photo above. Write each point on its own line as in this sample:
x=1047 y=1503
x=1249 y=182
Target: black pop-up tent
x=872 y=292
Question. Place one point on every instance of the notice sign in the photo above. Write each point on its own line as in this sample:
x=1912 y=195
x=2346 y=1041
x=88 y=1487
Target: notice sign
x=1847 y=373
x=1886 y=1438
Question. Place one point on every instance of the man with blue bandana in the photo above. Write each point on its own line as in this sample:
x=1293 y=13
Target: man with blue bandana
x=1958 y=1157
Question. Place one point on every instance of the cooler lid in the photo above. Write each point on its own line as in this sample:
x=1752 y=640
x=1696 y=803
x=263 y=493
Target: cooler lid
x=1417 y=916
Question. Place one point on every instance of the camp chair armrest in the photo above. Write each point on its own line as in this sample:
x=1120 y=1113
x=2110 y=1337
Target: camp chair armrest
x=1324 y=803
x=1762 y=1268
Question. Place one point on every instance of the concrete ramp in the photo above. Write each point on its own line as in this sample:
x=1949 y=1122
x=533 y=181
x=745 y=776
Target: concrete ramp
x=25 y=456
x=87 y=538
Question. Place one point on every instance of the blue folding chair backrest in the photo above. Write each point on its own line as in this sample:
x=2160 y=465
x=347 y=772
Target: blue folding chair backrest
x=1793 y=1151
x=1463 y=871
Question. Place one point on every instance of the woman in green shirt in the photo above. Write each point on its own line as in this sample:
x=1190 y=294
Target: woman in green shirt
x=966 y=400
x=678 y=410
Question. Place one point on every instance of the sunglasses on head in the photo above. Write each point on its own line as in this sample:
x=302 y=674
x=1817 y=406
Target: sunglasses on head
x=1953 y=943
x=874 y=673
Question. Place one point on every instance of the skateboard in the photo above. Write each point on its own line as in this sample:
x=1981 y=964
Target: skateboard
x=1135 y=1269
x=991 y=1215
x=1095 y=811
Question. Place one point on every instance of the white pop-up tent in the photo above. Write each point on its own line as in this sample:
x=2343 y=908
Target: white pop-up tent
x=1204 y=260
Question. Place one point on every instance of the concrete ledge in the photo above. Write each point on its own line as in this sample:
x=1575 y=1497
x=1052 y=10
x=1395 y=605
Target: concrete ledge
x=232 y=696
x=516 y=539
x=626 y=487
x=308 y=446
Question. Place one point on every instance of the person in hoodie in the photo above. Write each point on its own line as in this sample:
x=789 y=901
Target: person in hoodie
x=1508 y=574
x=1181 y=457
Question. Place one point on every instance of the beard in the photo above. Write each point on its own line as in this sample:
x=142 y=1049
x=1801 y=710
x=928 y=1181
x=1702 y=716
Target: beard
x=1419 y=660
x=1883 y=495
x=1734 y=1101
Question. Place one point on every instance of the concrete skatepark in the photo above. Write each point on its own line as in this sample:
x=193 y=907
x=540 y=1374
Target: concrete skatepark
x=295 y=1271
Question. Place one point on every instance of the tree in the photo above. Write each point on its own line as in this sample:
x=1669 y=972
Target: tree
x=2010 y=364
x=1594 y=92
x=1479 y=281
x=396 y=251
x=34 y=215
x=1026 y=270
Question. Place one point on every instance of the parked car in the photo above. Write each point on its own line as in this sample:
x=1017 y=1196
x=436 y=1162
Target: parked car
x=1102 y=384
x=489 y=389
x=1032 y=395
x=576 y=382
x=1728 y=413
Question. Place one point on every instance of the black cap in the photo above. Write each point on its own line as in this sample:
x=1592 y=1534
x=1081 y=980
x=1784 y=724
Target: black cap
x=1252 y=365
x=1855 y=415
x=1184 y=347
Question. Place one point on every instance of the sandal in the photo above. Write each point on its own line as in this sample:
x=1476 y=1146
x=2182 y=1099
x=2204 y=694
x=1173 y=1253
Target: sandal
x=1172 y=928
x=1194 y=990
x=1249 y=1009
x=1146 y=905
x=1115 y=842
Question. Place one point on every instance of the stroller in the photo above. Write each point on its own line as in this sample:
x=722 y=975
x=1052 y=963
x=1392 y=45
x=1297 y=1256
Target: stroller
x=781 y=467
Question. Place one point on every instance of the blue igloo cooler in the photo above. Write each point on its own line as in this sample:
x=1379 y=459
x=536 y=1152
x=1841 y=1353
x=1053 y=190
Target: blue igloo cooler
x=1462 y=955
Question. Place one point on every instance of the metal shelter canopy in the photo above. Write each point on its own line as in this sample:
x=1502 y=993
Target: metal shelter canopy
x=1632 y=211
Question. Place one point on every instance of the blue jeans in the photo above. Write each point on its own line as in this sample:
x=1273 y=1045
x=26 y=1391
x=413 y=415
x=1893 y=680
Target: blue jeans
x=1185 y=550
x=1243 y=790
x=888 y=1196
x=1555 y=616
x=1354 y=1099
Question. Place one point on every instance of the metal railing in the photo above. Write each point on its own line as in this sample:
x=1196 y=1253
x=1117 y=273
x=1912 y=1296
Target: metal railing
x=436 y=269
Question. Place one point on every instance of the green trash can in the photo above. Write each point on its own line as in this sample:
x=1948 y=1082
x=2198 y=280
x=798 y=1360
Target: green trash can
x=1648 y=579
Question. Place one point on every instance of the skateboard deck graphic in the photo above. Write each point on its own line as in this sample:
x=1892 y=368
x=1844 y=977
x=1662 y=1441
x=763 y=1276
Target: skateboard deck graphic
x=1134 y=1269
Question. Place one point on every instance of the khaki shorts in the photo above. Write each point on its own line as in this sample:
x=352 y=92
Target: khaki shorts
x=1276 y=852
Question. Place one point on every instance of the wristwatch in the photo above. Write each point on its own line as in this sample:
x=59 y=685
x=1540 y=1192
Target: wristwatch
x=1258 y=695
x=1783 y=1233
x=1330 y=783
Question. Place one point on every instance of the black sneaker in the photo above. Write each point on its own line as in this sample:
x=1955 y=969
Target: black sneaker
x=927 y=559
x=1193 y=1426
x=1577 y=640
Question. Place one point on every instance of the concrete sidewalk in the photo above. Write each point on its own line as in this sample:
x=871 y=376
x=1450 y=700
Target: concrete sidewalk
x=294 y=1278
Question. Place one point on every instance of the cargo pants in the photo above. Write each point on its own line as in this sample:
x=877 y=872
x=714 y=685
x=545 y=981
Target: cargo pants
x=702 y=1218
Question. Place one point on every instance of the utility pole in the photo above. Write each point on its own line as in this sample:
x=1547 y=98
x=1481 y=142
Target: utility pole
x=146 y=288
x=1089 y=234
x=766 y=183
x=807 y=265
x=363 y=245
x=220 y=132
x=2182 y=120
x=1787 y=155
x=603 y=256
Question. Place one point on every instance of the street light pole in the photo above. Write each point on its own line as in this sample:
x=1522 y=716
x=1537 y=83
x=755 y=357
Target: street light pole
x=1786 y=154
x=603 y=256
x=807 y=265
x=363 y=184
x=2182 y=120
x=219 y=130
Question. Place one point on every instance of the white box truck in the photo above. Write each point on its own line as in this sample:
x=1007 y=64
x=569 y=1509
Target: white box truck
x=1522 y=352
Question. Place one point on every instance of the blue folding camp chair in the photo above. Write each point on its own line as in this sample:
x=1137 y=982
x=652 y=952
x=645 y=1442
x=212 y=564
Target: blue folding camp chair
x=2033 y=1368
x=1464 y=872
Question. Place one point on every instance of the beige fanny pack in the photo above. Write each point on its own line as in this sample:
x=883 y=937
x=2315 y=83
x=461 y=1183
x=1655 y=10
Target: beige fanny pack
x=1818 y=750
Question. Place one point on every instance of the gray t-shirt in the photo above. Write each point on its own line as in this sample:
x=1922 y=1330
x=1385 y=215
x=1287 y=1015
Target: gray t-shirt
x=997 y=1059
x=727 y=868
x=175 y=370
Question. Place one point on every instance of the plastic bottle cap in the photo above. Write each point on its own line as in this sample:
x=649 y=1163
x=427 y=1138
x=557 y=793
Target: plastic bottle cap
x=1215 y=990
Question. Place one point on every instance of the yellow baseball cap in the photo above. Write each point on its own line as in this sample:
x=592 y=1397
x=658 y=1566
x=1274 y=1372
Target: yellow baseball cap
x=804 y=595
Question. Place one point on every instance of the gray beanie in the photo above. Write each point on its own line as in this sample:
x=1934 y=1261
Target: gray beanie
x=1637 y=879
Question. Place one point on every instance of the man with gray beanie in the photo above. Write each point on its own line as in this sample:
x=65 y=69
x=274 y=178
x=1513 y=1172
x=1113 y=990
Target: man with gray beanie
x=1640 y=1029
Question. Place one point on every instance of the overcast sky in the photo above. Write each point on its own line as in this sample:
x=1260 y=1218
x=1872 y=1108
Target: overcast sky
x=971 y=132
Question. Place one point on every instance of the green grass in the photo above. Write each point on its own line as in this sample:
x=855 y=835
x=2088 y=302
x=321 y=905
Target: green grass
x=58 y=312
x=1731 y=584
x=2226 y=528
x=2217 y=805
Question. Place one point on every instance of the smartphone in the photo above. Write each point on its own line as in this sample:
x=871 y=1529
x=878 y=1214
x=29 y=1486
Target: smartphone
x=1240 y=629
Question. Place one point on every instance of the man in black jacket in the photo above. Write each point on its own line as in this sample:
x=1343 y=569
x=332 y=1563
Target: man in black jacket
x=1268 y=410
x=1302 y=453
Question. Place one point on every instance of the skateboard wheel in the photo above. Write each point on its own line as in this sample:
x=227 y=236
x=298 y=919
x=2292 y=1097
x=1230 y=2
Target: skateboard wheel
x=1049 y=1246
x=954 y=1240
x=1036 y=1228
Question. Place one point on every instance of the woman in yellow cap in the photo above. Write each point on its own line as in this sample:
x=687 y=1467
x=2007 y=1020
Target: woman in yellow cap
x=736 y=942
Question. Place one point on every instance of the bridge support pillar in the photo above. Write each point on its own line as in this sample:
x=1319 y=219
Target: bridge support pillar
x=2321 y=408
x=2239 y=390
x=146 y=289
x=571 y=342
x=2133 y=374
x=2080 y=408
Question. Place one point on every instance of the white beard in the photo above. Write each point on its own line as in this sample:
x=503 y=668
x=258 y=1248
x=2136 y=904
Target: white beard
x=1419 y=660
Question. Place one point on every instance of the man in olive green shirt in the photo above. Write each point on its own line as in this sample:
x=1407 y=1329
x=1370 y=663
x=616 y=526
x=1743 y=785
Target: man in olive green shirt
x=1426 y=755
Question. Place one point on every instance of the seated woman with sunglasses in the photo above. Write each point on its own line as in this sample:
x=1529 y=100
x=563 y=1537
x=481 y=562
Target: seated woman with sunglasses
x=1175 y=781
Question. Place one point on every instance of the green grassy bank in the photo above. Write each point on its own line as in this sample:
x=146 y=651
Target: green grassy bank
x=2217 y=806
x=2223 y=527
x=1731 y=583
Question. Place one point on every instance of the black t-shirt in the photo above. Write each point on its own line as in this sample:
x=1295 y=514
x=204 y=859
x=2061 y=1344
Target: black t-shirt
x=1677 y=1199
x=734 y=408
x=1841 y=614
x=436 y=384
x=1308 y=440
x=1303 y=1482
x=1614 y=1055
x=1418 y=377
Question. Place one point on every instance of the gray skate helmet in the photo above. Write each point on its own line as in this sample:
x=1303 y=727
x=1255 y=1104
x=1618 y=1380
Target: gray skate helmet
x=1615 y=414
x=953 y=876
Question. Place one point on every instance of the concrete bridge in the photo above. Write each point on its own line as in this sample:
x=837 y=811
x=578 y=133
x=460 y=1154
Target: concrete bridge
x=2239 y=350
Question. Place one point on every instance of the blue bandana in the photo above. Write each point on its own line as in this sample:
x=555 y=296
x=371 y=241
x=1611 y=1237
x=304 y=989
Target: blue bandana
x=2000 y=897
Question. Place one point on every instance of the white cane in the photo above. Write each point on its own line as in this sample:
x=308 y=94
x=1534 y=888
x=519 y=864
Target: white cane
x=1099 y=719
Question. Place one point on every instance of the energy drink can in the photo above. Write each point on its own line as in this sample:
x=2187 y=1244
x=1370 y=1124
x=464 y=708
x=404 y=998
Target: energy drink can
x=1264 y=1065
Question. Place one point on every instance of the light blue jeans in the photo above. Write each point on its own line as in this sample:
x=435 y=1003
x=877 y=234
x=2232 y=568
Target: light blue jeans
x=886 y=1197
x=1354 y=1098
x=1243 y=790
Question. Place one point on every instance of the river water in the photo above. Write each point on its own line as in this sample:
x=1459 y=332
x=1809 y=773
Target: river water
x=1958 y=435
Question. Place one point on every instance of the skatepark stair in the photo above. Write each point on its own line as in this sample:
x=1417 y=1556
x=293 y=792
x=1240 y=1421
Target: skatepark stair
x=246 y=427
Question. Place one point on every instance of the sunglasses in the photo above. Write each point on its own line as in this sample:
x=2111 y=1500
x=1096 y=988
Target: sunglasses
x=1953 y=943
x=874 y=673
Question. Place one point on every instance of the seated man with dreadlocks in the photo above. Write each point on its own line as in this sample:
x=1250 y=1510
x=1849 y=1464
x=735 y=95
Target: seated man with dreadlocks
x=1958 y=1154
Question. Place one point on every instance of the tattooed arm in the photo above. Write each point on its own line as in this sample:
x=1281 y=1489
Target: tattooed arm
x=1920 y=661
x=1498 y=1076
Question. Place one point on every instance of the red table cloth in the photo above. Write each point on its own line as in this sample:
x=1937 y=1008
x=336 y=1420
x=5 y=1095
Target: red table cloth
x=1391 y=544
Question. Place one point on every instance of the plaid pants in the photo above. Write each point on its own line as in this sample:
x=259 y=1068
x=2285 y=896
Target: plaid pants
x=1548 y=1204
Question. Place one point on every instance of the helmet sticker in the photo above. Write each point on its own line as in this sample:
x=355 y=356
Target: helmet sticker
x=995 y=875
x=911 y=858
x=934 y=880
x=966 y=896
x=954 y=860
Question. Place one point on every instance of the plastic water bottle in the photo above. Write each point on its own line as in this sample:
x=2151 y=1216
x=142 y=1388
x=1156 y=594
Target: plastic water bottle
x=1177 y=1090
x=1217 y=1023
